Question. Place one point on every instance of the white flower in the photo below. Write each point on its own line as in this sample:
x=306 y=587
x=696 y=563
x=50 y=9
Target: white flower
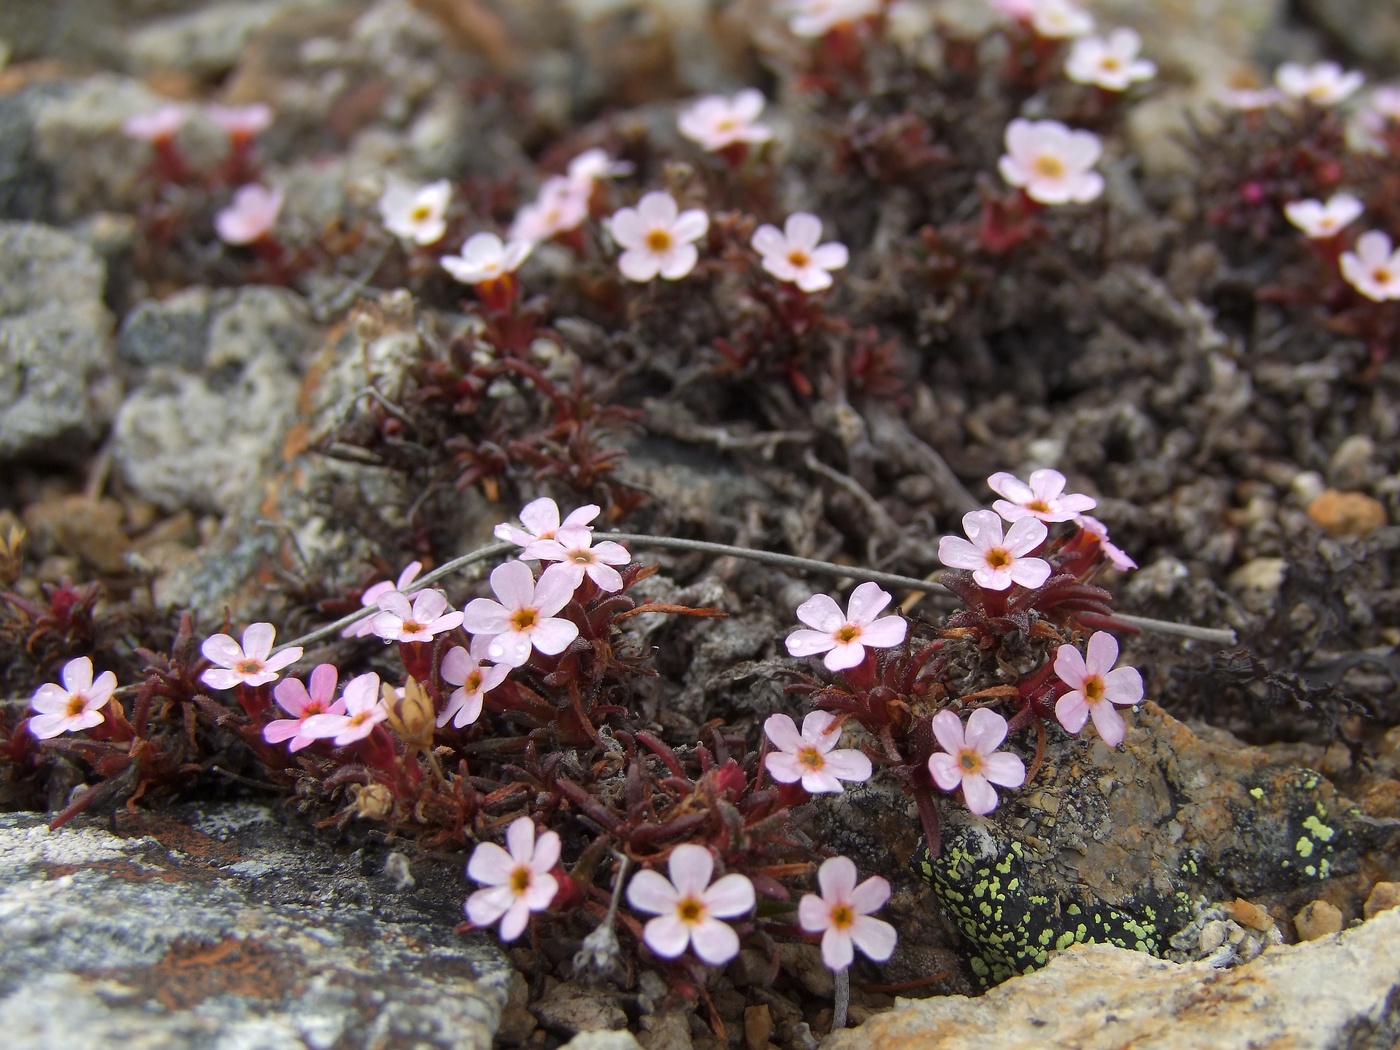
x=843 y=637
x=842 y=914
x=1051 y=162
x=1043 y=498
x=485 y=259
x=524 y=617
x=658 y=238
x=1318 y=220
x=716 y=121
x=1060 y=19
x=574 y=555
x=541 y=520
x=1117 y=556
x=77 y=704
x=1322 y=84
x=1373 y=269
x=1385 y=101
x=420 y=621
x=594 y=164
x=794 y=255
x=997 y=562
x=518 y=882
x=813 y=18
x=688 y=908
x=158 y=126
x=973 y=760
x=247 y=664
x=561 y=206
x=240 y=121
x=250 y=217
x=473 y=679
x=1250 y=98
x=1111 y=64
x=416 y=213
x=812 y=756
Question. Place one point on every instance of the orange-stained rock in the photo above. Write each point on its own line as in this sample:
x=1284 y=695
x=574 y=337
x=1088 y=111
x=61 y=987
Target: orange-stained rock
x=1347 y=513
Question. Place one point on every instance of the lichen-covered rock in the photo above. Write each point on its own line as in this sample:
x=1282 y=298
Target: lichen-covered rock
x=1340 y=991
x=222 y=927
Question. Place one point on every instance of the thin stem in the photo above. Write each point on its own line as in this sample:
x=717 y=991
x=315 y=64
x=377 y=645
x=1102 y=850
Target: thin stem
x=1217 y=635
x=843 y=999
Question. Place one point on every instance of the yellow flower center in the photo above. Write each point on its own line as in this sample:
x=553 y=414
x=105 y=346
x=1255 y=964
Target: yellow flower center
x=520 y=879
x=691 y=910
x=659 y=241
x=582 y=557
x=1110 y=64
x=799 y=258
x=1093 y=689
x=412 y=626
x=421 y=213
x=249 y=666
x=969 y=761
x=473 y=682
x=811 y=758
x=76 y=703
x=1049 y=167
x=999 y=558
x=847 y=633
x=1039 y=506
x=524 y=619
x=842 y=916
x=1381 y=275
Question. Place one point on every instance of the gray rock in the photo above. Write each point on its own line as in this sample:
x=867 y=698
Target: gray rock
x=24 y=178
x=1340 y=991
x=56 y=390
x=221 y=927
x=198 y=328
x=173 y=331
x=207 y=42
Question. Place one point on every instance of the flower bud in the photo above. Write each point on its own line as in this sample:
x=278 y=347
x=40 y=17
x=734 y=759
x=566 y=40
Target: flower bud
x=371 y=801
x=412 y=715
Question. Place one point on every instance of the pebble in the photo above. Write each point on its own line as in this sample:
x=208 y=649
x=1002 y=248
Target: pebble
x=1384 y=896
x=1347 y=513
x=1318 y=919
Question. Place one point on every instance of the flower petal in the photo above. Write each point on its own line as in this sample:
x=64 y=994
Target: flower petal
x=258 y=639
x=691 y=867
x=715 y=942
x=652 y=892
x=222 y=650
x=875 y=937
x=821 y=612
x=1123 y=686
x=554 y=635
x=1070 y=667
x=803 y=642
x=77 y=675
x=837 y=879
x=1004 y=769
x=1109 y=723
x=513 y=584
x=782 y=731
x=520 y=839
x=490 y=865
x=985 y=730
x=849 y=764
x=886 y=632
x=1072 y=711
x=867 y=602
x=871 y=895
x=666 y=935
x=980 y=796
x=730 y=896
x=948 y=731
x=944 y=769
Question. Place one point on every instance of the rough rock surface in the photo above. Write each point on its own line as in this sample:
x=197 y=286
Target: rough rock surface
x=224 y=928
x=55 y=350
x=1341 y=991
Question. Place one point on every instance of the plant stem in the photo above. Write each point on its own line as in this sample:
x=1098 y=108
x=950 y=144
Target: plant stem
x=843 y=1000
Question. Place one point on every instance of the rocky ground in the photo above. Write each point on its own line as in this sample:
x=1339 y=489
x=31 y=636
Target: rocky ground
x=185 y=426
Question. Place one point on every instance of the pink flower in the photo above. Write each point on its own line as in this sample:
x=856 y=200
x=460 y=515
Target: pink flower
x=524 y=617
x=997 y=563
x=1051 y=162
x=398 y=621
x=416 y=213
x=814 y=18
x=844 y=637
x=247 y=664
x=541 y=520
x=809 y=757
x=716 y=122
x=1095 y=687
x=1060 y=19
x=842 y=915
x=1020 y=10
x=1043 y=498
x=1319 y=221
x=574 y=555
x=240 y=121
x=485 y=258
x=1322 y=84
x=688 y=908
x=77 y=704
x=301 y=704
x=158 y=126
x=562 y=205
x=594 y=164
x=517 y=882
x=974 y=761
x=1116 y=556
x=658 y=238
x=373 y=593
x=1111 y=64
x=1385 y=101
x=361 y=712
x=794 y=255
x=1250 y=98
x=473 y=680
x=251 y=216
x=1373 y=269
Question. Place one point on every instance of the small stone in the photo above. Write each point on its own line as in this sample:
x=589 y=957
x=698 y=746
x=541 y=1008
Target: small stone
x=1384 y=896
x=1213 y=934
x=1347 y=513
x=758 y=1026
x=1307 y=486
x=1353 y=466
x=1318 y=919
x=804 y=961
x=603 y=1041
x=570 y=1009
x=1251 y=915
x=90 y=529
x=1258 y=581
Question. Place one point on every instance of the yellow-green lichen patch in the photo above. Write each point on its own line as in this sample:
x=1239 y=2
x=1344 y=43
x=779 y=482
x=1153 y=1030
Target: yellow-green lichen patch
x=1320 y=830
x=1304 y=847
x=1256 y=792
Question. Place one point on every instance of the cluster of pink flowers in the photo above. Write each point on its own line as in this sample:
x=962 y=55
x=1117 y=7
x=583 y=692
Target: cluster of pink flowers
x=1051 y=19
x=1372 y=265
x=164 y=123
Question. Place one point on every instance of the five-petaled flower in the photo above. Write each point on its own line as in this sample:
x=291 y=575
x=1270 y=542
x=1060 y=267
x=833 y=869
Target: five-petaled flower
x=1044 y=498
x=1322 y=84
x=76 y=704
x=594 y=164
x=251 y=215
x=427 y=616
x=517 y=879
x=972 y=760
x=1051 y=162
x=1095 y=686
x=541 y=520
x=1319 y=221
x=1060 y=19
x=1117 y=556
x=372 y=594
x=996 y=561
x=416 y=213
x=356 y=720
x=574 y=554
x=658 y=238
x=473 y=680
x=843 y=637
x=240 y=122
x=717 y=122
x=302 y=704
x=523 y=619
x=158 y=126
x=793 y=254
x=560 y=206
x=1372 y=268
x=1113 y=64
x=485 y=259
x=842 y=914
x=688 y=909
x=814 y=18
x=811 y=756
x=247 y=664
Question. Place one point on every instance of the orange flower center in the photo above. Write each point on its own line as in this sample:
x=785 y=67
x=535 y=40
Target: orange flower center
x=659 y=241
x=969 y=761
x=842 y=916
x=520 y=879
x=1049 y=167
x=847 y=633
x=473 y=682
x=691 y=910
x=1381 y=275
x=1093 y=689
x=799 y=258
x=248 y=666
x=811 y=758
x=999 y=558
x=412 y=626
x=1039 y=506
x=76 y=704
x=524 y=619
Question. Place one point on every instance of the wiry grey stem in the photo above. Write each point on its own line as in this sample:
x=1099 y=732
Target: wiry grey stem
x=843 y=1000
